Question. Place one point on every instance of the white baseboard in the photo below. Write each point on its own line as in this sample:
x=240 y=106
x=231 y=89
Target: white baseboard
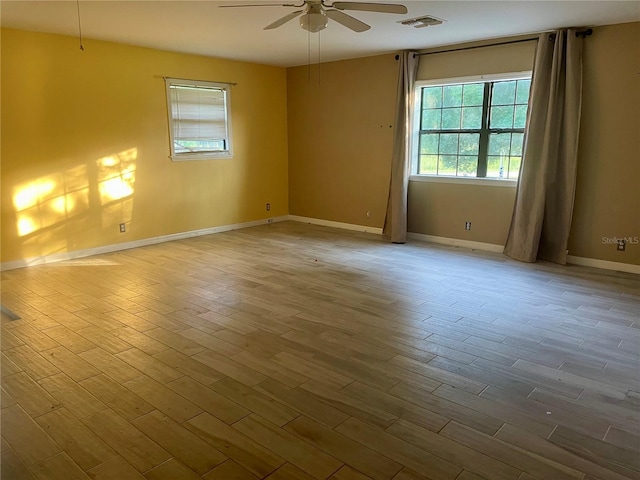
x=456 y=242
x=490 y=247
x=330 y=223
x=604 y=264
x=58 y=257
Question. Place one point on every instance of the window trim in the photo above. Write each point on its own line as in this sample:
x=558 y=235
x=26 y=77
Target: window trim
x=187 y=156
x=415 y=121
x=483 y=181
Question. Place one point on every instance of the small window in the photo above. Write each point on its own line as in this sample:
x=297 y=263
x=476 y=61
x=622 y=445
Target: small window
x=473 y=129
x=199 y=119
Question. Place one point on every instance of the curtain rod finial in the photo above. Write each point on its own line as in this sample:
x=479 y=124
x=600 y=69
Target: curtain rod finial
x=585 y=33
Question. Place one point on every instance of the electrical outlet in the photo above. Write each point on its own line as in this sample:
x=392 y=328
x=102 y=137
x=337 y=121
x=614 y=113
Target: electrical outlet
x=467 y=225
x=123 y=228
x=622 y=245
x=268 y=207
x=368 y=214
x=269 y=220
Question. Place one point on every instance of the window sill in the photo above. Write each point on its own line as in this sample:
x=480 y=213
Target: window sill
x=487 y=182
x=202 y=156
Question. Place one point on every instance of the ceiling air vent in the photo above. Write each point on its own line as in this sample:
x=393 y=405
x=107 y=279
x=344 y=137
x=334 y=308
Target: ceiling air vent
x=421 y=22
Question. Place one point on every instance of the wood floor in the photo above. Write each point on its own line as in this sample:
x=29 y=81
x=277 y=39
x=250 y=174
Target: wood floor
x=292 y=351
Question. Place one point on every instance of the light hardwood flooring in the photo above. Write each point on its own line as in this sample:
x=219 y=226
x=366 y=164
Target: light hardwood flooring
x=291 y=351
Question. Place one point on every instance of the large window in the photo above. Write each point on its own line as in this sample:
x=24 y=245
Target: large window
x=471 y=129
x=199 y=119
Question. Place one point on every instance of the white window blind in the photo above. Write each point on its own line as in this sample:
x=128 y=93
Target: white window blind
x=199 y=119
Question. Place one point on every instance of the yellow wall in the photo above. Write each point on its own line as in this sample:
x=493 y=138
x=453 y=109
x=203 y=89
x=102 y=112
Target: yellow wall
x=340 y=144
x=608 y=189
x=441 y=210
x=339 y=154
x=85 y=146
x=607 y=200
x=340 y=139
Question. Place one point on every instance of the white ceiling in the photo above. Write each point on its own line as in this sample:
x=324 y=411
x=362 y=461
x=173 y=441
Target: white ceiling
x=201 y=27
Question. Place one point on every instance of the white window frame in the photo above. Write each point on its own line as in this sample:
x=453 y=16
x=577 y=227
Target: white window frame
x=415 y=128
x=209 y=155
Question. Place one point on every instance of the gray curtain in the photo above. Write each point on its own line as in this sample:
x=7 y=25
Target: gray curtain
x=395 y=222
x=544 y=199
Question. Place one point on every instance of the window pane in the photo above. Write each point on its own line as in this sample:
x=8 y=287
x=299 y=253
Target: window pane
x=467 y=166
x=449 y=143
x=452 y=127
x=500 y=144
x=447 y=165
x=517 y=140
x=469 y=143
x=504 y=93
x=183 y=146
x=451 y=118
x=198 y=118
x=501 y=117
x=520 y=117
x=522 y=94
x=431 y=119
x=429 y=143
x=472 y=117
x=432 y=97
x=473 y=94
x=199 y=115
x=428 y=165
x=514 y=167
x=452 y=96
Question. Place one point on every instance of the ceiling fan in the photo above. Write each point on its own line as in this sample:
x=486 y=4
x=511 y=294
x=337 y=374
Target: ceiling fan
x=316 y=13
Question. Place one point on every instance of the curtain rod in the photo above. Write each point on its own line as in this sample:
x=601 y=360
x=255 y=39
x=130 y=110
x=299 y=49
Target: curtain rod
x=582 y=33
x=473 y=47
x=233 y=84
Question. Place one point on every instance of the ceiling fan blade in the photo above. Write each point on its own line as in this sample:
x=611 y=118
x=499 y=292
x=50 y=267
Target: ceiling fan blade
x=283 y=20
x=262 y=5
x=371 y=7
x=347 y=20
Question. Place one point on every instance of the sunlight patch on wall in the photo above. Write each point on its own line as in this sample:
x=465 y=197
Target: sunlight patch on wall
x=56 y=211
x=116 y=181
x=116 y=175
x=48 y=200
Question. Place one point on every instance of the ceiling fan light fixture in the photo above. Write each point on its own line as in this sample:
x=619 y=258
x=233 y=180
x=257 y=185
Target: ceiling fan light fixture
x=314 y=20
x=315 y=14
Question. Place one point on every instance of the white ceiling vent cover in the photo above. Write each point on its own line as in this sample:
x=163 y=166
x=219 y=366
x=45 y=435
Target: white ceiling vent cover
x=421 y=22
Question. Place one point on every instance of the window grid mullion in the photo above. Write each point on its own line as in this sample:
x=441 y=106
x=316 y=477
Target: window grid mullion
x=483 y=147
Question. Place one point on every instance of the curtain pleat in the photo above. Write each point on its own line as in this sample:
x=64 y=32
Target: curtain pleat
x=543 y=209
x=395 y=223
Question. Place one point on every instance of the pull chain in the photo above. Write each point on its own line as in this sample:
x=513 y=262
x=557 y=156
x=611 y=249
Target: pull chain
x=309 y=55
x=79 y=26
